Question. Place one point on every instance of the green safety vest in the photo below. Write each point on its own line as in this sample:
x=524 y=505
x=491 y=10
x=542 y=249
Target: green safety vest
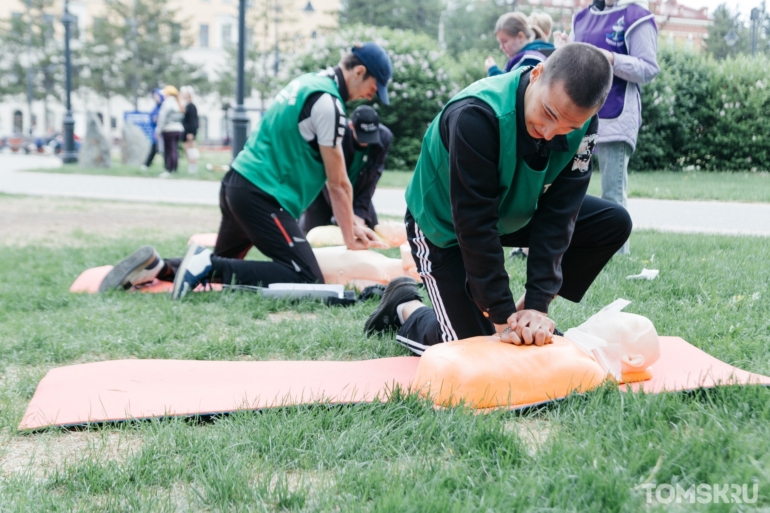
x=276 y=158
x=427 y=195
x=360 y=159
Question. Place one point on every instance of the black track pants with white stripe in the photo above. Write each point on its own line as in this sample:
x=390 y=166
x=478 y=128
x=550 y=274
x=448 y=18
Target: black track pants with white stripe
x=601 y=229
x=454 y=315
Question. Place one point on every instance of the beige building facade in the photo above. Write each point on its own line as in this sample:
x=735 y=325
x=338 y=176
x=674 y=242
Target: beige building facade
x=210 y=26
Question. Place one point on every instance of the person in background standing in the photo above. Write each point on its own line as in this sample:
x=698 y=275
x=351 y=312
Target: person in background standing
x=520 y=43
x=626 y=33
x=170 y=129
x=190 y=124
x=158 y=97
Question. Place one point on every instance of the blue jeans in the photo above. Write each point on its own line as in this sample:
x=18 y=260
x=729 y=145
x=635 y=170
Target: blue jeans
x=613 y=165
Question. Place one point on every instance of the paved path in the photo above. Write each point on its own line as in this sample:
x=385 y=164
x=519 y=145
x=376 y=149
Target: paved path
x=665 y=215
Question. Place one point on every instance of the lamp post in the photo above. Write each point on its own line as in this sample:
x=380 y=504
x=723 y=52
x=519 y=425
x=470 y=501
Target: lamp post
x=69 y=155
x=240 y=119
x=754 y=30
x=731 y=38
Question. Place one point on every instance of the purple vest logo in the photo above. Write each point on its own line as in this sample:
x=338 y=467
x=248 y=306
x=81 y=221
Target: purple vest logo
x=617 y=38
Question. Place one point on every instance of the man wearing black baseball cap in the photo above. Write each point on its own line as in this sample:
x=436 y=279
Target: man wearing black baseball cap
x=365 y=146
x=281 y=170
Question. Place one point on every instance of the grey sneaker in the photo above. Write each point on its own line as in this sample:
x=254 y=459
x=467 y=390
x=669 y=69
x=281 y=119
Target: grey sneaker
x=401 y=290
x=141 y=267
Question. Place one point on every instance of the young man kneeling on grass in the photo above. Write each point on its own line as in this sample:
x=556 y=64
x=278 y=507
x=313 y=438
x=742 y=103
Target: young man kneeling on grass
x=279 y=173
x=506 y=163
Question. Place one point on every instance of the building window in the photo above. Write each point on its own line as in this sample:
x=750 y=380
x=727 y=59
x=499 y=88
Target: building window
x=75 y=27
x=203 y=36
x=18 y=27
x=227 y=34
x=249 y=37
x=176 y=33
x=48 y=21
x=18 y=122
x=113 y=122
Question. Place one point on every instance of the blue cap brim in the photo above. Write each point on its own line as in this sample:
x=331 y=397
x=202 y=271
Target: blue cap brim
x=382 y=93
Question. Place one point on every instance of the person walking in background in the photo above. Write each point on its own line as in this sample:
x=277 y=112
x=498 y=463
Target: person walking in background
x=190 y=124
x=625 y=31
x=158 y=97
x=170 y=129
x=523 y=45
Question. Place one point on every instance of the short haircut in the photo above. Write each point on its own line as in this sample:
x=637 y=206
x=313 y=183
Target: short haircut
x=512 y=23
x=351 y=60
x=585 y=72
x=541 y=23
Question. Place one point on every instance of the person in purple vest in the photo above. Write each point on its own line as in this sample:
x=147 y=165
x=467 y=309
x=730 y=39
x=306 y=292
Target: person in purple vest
x=525 y=44
x=626 y=32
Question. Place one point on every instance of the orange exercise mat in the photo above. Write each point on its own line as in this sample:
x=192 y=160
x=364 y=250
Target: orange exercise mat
x=141 y=389
x=89 y=280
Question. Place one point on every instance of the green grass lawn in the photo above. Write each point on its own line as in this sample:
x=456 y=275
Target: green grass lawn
x=586 y=453
x=743 y=187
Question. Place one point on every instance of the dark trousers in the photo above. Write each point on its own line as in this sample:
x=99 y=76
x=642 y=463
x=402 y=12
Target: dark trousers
x=601 y=228
x=171 y=149
x=320 y=213
x=151 y=155
x=251 y=217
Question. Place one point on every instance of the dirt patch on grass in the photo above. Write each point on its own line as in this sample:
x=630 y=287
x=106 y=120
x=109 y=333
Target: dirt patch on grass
x=532 y=432
x=56 y=222
x=38 y=455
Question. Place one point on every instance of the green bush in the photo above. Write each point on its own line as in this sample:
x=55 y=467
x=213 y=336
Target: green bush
x=700 y=113
x=420 y=88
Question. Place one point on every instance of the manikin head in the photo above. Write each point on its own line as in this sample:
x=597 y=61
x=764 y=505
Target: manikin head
x=367 y=70
x=638 y=339
x=513 y=33
x=566 y=90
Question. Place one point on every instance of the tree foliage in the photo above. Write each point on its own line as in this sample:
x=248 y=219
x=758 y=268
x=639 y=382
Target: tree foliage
x=135 y=48
x=28 y=46
x=726 y=20
x=416 y=15
x=703 y=113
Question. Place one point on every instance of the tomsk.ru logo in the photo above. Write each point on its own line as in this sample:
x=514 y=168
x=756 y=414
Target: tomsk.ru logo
x=618 y=35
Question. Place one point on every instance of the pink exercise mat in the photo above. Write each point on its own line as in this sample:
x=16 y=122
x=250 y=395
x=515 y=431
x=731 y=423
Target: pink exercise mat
x=141 y=389
x=89 y=280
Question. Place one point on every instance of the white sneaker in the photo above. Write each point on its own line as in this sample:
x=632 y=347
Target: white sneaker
x=143 y=168
x=164 y=174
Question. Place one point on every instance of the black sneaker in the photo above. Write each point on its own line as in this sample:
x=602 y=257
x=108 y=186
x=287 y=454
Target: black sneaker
x=401 y=290
x=141 y=267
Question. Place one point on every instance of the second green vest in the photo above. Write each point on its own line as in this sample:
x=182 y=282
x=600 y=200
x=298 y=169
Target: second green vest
x=276 y=158
x=360 y=159
x=427 y=195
